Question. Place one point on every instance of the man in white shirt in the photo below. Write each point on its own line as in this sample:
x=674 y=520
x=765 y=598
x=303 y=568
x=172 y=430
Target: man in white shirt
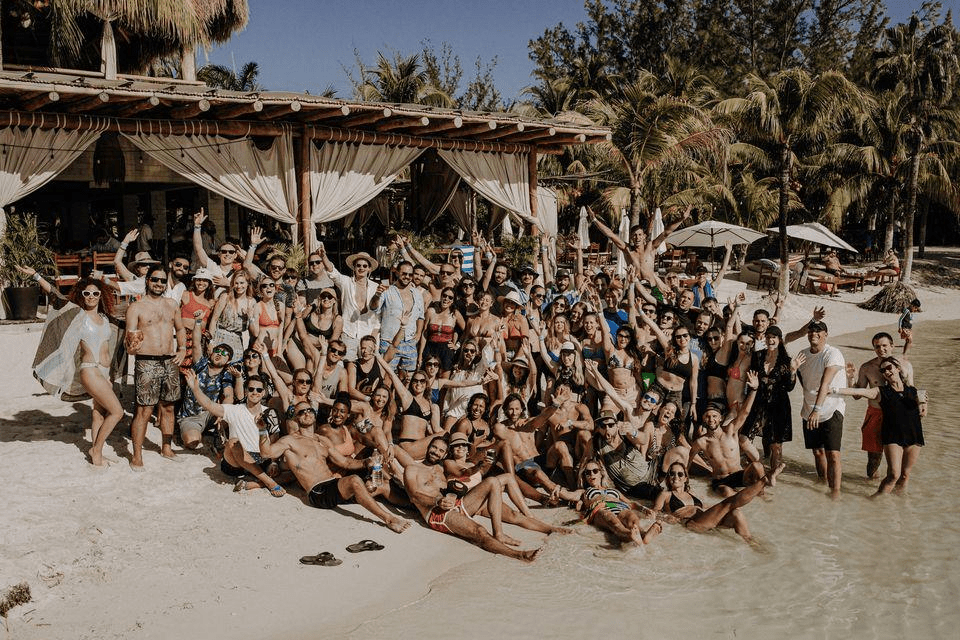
x=822 y=367
x=356 y=293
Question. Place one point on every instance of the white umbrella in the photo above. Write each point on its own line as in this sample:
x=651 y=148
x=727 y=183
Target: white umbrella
x=711 y=233
x=506 y=230
x=816 y=233
x=583 y=229
x=658 y=229
x=624 y=234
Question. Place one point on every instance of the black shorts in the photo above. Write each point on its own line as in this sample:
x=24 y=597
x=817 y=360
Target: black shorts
x=326 y=494
x=237 y=472
x=827 y=435
x=643 y=491
x=734 y=481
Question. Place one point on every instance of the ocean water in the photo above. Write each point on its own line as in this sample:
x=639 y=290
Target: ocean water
x=854 y=568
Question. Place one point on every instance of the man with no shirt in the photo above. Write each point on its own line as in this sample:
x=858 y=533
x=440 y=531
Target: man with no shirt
x=309 y=457
x=870 y=376
x=445 y=512
x=152 y=324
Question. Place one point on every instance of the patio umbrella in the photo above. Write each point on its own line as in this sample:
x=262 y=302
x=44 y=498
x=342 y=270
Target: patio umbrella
x=624 y=234
x=658 y=229
x=506 y=230
x=583 y=229
x=711 y=233
x=816 y=233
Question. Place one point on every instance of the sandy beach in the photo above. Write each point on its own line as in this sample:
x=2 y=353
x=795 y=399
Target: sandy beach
x=173 y=552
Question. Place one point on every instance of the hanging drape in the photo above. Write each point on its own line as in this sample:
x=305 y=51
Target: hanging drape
x=461 y=207
x=263 y=181
x=547 y=223
x=344 y=177
x=379 y=206
x=434 y=186
x=31 y=158
x=501 y=178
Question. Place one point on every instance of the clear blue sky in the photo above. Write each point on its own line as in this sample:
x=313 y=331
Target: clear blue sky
x=304 y=45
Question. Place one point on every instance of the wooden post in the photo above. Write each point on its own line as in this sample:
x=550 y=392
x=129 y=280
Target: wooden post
x=188 y=63
x=532 y=171
x=303 y=189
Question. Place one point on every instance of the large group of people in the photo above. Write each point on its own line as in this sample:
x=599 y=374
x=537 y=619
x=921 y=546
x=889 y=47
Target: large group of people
x=422 y=384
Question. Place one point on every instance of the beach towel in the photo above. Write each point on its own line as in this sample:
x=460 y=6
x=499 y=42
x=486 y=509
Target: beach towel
x=57 y=362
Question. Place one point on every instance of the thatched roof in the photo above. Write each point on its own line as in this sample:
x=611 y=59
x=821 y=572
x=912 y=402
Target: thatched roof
x=67 y=33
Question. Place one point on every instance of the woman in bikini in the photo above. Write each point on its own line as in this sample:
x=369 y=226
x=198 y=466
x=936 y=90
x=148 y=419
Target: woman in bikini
x=663 y=442
x=93 y=336
x=514 y=326
x=199 y=297
x=469 y=366
x=266 y=324
x=624 y=364
x=737 y=372
x=687 y=509
x=678 y=368
x=474 y=424
x=467 y=301
x=231 y=314
x=471 y=467
x=484 y=327
x=441 y=325
x=569 y=368
x=419 y=418
x=322 y=320
x=607 y=509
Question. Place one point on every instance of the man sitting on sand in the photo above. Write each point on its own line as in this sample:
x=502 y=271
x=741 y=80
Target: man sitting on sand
x=447 y=512
x=309 y=457
x=720 y=446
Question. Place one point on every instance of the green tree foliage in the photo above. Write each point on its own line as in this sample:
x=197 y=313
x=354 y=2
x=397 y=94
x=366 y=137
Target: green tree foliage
x=221 y=77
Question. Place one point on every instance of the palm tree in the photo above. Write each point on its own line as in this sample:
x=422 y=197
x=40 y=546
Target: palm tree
x=656 y=139
x=791 y=113
x=215 y=75
x=402 y=81
x=921 y=59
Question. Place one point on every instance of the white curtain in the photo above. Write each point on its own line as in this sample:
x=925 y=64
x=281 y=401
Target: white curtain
x=461 y=207
x=264 y=181
x=344 y=177
x=501 y=178
x=379 y=206
x=547 y=223
x=33 y=157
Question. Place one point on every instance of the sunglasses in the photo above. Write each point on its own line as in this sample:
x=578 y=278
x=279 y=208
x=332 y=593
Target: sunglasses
x=221 y=351
x=338 y=352
x=472 y=285
x=469 y=350
x=314 y=263
x=156 y=279
x=181 y=265
x=303 y=380
x=676 y=474
x=447 y=273
x=651 y=399
x=268 y=285
x=681 y=335
x=885 y=369
x=228 y=251
x=326 y=296
x=252 y=356
x=713 y=338
x=255 y=389
x=277 y=267
x=590 y=472
x=432 y=364
x=290 y=277
x=419 y=381
x=446 y=297
x=91 y=294
x=307 y=411
x=361 y=265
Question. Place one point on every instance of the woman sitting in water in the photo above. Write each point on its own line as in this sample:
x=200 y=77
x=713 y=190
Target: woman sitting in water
x=686 y=508
x=901 y=432
x=470 y=467
x=607 y=509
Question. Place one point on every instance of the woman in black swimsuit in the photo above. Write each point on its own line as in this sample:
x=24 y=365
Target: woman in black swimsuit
x=687 y=509
x=322 y=320
x=419 y=418
x=474 y=424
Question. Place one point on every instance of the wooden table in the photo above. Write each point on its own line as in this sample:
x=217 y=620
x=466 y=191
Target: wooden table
x=832 y=283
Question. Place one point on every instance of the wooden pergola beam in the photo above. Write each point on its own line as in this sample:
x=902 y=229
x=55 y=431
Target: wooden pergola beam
x=472 y=129
x=275 y=111
x=41 y=100
x=536 y=134
x=89 y=103
x=191 y=110
x=500 y=132
x=237 y=110
x=368 y=117
x=400 y=139
x=436 y=126
x=316 y=114
x=139 y=106
x=403 y=123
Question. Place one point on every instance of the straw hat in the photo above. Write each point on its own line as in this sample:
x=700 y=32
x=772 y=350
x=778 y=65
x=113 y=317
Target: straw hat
x=203 y=274
x=459 y=438
x=141 y=258
x=513 y=296
x=366 y=256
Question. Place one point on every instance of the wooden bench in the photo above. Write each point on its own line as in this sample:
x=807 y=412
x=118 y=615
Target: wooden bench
x=768 y=279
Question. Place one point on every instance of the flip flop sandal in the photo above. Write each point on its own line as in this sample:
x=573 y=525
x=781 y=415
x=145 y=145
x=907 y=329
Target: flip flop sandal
x=325 y=559
x=277 y=491
x=365 y=545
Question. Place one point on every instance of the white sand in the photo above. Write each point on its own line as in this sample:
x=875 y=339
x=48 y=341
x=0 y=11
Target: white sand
x=173 y=552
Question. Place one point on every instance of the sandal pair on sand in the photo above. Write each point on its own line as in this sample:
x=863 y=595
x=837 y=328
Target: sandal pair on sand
x=327 y=559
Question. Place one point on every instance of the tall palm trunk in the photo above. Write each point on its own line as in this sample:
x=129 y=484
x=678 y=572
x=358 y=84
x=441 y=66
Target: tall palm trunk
x=908 y=218
x=785 y=157
x=891 y=221
x=922 y=240
x=634 y=204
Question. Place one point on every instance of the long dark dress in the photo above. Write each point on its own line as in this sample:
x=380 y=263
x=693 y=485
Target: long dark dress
x=901 y=417
x=771 y=415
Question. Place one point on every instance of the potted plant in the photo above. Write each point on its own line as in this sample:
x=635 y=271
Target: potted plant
x=21 y=243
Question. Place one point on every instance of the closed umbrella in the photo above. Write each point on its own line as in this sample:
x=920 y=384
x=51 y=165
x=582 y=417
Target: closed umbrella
x=624 y=234
x=816 y=233
x=658 y=229
x=583 y=229
x=506 y=230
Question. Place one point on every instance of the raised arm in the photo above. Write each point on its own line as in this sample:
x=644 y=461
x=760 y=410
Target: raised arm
x=819 y=313
x=214 y=408
x=607 y=231
x=403 y=394
x=723 y=267
x=656 y=242
x=488 y=275
x=661 y=336
x=121 y=268
x=753 y=383
x=256 y=237
x=419 y=257
x=202 y=257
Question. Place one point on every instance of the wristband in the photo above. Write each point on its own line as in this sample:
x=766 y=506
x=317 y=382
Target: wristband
x=36 y=277
x=263 y=433
x=816 y=408
x=197 y=227
x=123 y=246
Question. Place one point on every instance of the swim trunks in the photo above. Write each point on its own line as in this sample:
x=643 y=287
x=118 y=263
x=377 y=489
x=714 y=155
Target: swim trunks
x=734 y=481
x=437 y=518
x=827 y=435
x=531 y=464
x=156 y=379
x=326 y=494
x=870 y=431
x=237 y=472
